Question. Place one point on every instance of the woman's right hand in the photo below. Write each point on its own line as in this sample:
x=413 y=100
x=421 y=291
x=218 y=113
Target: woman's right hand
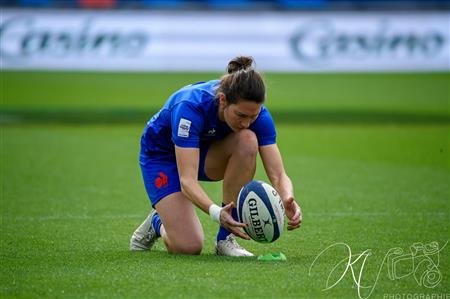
x=227 y=221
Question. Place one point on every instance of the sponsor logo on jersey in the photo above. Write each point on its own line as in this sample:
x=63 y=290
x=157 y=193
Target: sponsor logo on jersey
x=162 y=180
x=183 y=127
x=211 y=133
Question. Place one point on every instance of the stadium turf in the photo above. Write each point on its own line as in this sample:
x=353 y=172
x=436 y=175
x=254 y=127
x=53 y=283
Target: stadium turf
x=72 y=194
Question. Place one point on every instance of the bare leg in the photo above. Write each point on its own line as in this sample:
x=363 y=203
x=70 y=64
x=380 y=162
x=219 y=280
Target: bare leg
x=233 y=159
x=181 y=229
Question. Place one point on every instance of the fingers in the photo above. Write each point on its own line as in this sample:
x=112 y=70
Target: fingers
x=293 y=226
x=232 y=225
x=228 y=207
x=228 y=219
x=290 y=200
x=296 y=214
x=296 y=220
x=294 y=223
x=239 y=233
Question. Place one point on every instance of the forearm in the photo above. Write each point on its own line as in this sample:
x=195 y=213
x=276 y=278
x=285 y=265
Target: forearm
x=283 y=185
x=192 y=190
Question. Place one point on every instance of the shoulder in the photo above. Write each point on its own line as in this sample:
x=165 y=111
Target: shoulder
x=264 y=115
x=264 y=128
x=197 y=95
x=263 y=122
x=200 y=88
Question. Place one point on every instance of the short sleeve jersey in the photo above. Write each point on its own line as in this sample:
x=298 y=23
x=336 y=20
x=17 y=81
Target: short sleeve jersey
x=189 y=118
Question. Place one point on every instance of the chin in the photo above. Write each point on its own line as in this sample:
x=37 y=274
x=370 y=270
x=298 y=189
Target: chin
x=233 y=128
x=237 y=129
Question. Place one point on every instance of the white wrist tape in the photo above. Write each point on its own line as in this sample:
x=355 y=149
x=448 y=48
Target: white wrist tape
x=214 y=212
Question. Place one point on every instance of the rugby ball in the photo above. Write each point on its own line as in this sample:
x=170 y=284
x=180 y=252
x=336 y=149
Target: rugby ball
x=260 y=206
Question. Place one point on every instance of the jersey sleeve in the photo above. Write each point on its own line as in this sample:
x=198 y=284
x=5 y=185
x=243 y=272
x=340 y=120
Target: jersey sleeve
x=186 y=123
x=264 y=128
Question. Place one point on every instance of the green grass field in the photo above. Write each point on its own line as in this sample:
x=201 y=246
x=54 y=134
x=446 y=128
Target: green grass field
x=72 y=193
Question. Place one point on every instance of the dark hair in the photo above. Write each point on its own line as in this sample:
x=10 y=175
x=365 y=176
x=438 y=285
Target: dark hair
x=242 y=82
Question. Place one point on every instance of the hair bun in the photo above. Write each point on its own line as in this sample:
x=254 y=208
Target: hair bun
x=239 y=63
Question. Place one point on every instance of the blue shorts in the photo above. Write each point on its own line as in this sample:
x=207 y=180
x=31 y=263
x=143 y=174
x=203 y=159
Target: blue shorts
x=160 y=173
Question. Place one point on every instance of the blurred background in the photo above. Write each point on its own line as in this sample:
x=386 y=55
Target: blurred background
x=359 y=91
x=235 y=4
x=118 y=60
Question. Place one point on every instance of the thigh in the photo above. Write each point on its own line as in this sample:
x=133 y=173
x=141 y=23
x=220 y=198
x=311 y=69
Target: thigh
x=243 y=142
x=160 y=178
x=216 y=159
x=180 y=221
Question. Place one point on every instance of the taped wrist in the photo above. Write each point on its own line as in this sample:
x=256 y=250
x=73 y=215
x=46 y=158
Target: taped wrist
x=214 y=212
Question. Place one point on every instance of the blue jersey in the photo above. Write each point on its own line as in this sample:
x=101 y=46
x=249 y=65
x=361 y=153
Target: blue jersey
x=189 y=118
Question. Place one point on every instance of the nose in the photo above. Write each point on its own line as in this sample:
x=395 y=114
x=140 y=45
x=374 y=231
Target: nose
x=245 y=124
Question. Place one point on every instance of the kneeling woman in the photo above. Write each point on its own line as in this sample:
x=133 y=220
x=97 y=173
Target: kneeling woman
x=209 y=131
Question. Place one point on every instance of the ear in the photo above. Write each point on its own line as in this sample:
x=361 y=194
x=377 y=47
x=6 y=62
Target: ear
x=222 y=99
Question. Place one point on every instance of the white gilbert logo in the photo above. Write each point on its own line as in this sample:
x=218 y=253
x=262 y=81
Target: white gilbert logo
x=183 y=127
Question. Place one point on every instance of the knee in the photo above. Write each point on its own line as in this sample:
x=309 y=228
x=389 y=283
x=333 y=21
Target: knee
x=193 y=247
x=247 y=143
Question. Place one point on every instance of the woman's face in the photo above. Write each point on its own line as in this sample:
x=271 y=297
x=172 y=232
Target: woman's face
x=238 y=116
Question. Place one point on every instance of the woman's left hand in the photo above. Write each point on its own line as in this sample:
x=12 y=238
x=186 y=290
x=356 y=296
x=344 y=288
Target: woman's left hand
x=293 y=213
